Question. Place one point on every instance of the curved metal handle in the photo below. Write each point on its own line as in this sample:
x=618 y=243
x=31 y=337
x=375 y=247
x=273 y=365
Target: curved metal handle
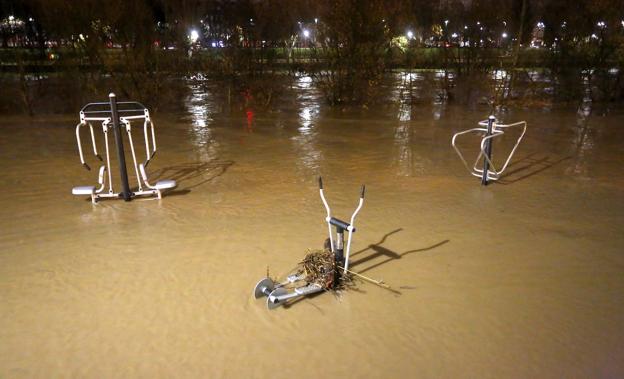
x=328 y=218
x=149 y=153
x=352 y=228
x=79 y=142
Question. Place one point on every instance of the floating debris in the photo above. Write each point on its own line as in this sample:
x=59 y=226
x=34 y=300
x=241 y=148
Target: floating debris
x=319 y=267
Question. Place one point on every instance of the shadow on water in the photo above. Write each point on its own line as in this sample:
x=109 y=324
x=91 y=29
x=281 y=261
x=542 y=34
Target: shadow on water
x=528 y=166
x=379 y=251
x=189 y=171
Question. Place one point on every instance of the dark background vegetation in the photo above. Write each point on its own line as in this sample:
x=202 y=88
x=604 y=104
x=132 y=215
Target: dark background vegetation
x=142 y=49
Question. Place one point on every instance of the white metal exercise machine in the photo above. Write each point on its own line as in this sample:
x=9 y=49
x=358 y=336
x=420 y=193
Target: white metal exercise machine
x=489 y=129
x=112 y=116
x=297 y=285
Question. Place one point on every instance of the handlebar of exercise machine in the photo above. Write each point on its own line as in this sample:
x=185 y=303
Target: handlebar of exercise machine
x=350 y=227
x=82 y=160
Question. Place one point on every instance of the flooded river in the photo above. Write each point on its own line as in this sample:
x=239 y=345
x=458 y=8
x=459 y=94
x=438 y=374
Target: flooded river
x=522 y=278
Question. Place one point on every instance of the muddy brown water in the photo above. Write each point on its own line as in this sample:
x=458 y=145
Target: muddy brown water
x=523 y=278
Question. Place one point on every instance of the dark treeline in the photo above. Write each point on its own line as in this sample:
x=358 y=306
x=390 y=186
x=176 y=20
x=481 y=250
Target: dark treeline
x=345 y=45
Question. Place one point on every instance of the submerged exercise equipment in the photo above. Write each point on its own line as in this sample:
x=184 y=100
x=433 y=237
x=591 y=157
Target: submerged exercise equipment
x=489 y=129
x=113 y=115
x=300 y=284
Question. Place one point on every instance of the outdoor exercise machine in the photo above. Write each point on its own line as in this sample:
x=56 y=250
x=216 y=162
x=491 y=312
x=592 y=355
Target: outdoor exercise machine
x=488 y=130
x=113 y=115
x=297 y=285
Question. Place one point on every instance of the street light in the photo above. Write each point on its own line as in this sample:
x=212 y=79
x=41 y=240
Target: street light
x=306 y=33
x=194 y=36
x=504 y=35
x=410 y=34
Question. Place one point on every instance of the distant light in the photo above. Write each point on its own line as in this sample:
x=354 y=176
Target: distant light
x=601 y=24
x=306 y=33
x=445 y=22
x=478 y=23
x=481 y=28
x=82 y=37
x=594 y=36
x=30 y=19
x=194 y=36
x=454 y=35
x=540 y=24
x=251 y=20
x=504 y=35
x=465 y=27
x=214 y=44
x=11 y=18
x=316 y=20
x=410 y=34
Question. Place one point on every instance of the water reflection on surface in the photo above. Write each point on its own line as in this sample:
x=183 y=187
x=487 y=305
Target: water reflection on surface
x=163 y=288
x=305 y=142
x=201 y=108
x=404 y=158
x=583 y=133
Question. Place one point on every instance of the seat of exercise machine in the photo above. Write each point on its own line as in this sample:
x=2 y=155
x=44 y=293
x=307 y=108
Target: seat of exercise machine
x=165 y=184
x=90 y=190
x=83 y=190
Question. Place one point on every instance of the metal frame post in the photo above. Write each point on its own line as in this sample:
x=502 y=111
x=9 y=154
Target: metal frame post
x=488 y=151
x=339 y=248
x=123 y=173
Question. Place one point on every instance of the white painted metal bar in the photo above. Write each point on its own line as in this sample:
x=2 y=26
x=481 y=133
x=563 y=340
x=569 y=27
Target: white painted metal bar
x=134 y=160
x=147 y=149
x=101 y=180
x=331 y=238
x=80 y=145
x=105 y=129
x=461 y=156
x=497 y=131
x=93 y=141
x=351 y=228
x=153 y=140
